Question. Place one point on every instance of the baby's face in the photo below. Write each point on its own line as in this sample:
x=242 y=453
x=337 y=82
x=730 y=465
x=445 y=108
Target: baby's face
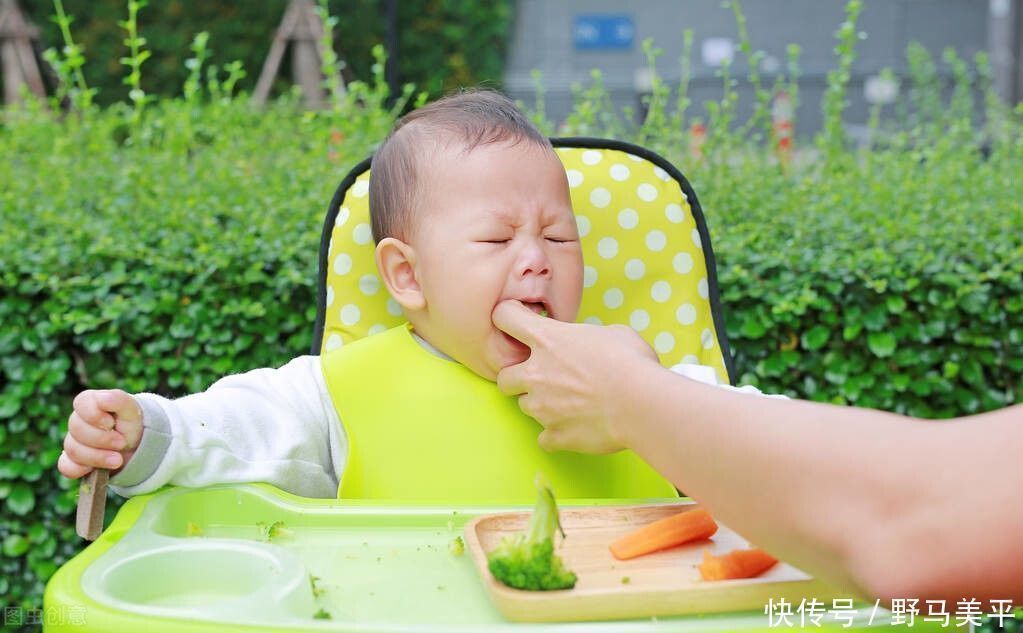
x=494 y=224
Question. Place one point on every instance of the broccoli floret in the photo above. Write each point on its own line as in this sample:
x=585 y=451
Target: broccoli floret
x=457 y=546
x=527 y=560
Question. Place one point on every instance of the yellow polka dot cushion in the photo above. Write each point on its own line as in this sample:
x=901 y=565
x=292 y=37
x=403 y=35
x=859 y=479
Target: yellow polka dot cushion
x=646 y=250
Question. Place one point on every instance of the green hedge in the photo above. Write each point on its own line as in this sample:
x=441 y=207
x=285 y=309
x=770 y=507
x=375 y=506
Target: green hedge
x=443 y=43
x=897 y=285
x=152 y=266
x=163 y=253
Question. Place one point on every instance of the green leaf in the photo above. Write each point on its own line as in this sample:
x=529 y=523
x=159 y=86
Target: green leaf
x=896 y=304
x=32 y=471
x=975 y=302
x=815 y=338
x=752 y=328
x=15 y=545
x=876 y=318
x=973 y=373
x=9 y=405
x=882 y=344
x=21 y=500
x=11 y=468
x=773 y=365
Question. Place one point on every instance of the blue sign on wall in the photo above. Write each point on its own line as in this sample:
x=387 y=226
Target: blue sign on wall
x=604 y=31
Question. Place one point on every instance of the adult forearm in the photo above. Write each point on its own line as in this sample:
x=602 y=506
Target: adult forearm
x=833 y=490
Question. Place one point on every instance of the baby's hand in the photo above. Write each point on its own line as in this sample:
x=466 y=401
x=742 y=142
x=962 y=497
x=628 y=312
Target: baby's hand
x=103 y=431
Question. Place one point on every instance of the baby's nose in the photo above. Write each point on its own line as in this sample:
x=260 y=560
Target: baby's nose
x=538 y=272
x=534 y=261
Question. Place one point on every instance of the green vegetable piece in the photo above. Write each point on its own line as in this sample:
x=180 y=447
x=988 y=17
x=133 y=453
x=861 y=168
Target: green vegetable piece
x=321 y=615
x=274 y=530
x=457 y=546
x=527 y=560
x=626 y=580
x=315 y=587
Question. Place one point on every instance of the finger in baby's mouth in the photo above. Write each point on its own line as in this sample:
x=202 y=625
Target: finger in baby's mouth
x=538 y=307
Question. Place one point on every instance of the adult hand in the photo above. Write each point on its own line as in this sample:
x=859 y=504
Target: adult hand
x=103 y=431
x=574 y=377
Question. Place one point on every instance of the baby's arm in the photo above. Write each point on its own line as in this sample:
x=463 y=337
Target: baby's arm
x=272 y=425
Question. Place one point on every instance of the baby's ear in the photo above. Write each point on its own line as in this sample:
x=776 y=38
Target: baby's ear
x=396 y=262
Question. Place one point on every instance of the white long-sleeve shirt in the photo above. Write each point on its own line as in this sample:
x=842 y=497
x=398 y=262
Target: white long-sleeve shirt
x=271 y=425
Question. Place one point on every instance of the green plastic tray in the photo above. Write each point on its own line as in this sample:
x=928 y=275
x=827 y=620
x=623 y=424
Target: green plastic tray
x=198 y=560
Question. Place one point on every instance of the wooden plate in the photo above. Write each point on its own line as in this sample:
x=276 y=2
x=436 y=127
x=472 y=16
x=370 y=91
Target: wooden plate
x=660 y=584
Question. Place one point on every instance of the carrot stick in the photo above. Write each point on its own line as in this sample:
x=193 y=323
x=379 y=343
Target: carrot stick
x=686 y=526
x=740 y=563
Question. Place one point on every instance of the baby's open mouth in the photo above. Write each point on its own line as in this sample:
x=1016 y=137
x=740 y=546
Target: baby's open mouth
x=537 y=306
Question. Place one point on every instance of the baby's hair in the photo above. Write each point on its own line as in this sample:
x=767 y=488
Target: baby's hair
x=467 y=119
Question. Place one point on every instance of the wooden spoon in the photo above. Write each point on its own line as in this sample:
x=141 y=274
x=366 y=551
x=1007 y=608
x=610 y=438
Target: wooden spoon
x=92 y=501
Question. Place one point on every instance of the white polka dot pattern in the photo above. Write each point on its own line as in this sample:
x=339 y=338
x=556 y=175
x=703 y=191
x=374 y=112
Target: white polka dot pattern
x=350 y=314
x=614 y=298
x=342 y=216
x=646 y=192
x=393 y=308
x=342 y=264
x=682 y=263
x=639 y=320
x=369 y=285
x=600 y=197
x=664 y=342
x=583 y=224
x=686 y=314
x=333 y=342
x=362 y=234
x=660 y=291
x=635 y=269
x=642 y=240
x=628 y=218
x=656 y=240
x=607 y=247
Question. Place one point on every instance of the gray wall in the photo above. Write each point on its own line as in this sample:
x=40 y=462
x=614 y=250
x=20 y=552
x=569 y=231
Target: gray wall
x=542 y=38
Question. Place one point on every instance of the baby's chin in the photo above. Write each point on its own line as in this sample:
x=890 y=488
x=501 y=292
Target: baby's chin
x=505 y=352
